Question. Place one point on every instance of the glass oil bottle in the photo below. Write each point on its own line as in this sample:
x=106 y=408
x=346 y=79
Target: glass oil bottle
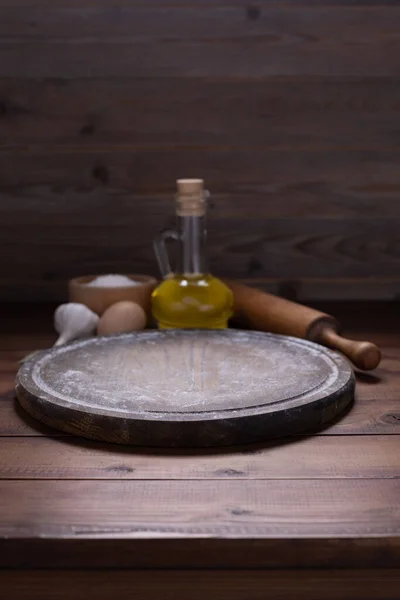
x=190 y=297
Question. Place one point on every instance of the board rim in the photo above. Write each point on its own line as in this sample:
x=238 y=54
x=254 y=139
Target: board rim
x=37 y=405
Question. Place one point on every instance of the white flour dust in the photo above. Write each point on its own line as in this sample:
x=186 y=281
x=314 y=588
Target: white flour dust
x=186 y=372
x=112 y=281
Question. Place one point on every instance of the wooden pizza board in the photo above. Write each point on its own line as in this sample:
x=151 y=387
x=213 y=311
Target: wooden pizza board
x=186 y=387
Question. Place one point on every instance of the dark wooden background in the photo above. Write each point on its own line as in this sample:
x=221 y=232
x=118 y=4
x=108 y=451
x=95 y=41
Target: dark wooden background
x=289 y=109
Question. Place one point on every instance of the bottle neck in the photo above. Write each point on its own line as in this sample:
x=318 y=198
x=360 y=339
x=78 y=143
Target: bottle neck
x=192 y=237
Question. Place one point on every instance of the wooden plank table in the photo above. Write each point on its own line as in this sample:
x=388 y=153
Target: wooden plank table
x=304 y=518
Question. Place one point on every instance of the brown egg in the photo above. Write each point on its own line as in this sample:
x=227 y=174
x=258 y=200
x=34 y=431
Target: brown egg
x=122 y=317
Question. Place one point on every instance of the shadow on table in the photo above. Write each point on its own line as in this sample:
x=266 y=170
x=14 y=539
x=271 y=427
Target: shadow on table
x=367 y=378
x=121 y=449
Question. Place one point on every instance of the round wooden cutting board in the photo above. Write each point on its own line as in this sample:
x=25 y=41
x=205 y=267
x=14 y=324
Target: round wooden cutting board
x=186 y=387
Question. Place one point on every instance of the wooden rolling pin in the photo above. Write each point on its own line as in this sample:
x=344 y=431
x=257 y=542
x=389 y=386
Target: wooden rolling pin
x=267 y=312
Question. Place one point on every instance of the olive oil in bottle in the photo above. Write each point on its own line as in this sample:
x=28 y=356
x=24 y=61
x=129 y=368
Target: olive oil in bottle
x=190 y=297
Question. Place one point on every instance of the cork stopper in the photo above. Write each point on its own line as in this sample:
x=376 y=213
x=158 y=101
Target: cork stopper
x=190 y=198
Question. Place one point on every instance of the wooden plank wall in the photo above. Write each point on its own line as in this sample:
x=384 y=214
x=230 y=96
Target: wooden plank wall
x=289 y=109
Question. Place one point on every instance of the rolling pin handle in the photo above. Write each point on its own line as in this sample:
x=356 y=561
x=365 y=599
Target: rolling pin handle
x=364 y=355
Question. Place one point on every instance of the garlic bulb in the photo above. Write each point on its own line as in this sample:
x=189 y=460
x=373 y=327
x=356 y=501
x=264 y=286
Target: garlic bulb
x=73 y=320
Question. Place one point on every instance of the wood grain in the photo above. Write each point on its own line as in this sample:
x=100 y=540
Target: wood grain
x=16 y=422
x=197 y=23
x=232 y=170
x=221 y=21
x=6 y=387
x=340 y=511
x=289 y=110
x=275 y=248
x=196 y=41
x=197 y=585
x=294 y=114
x=324 y=457
x=90 y=225
x=327 y=508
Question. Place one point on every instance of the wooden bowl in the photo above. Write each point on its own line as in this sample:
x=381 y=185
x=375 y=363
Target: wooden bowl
x=99 y=298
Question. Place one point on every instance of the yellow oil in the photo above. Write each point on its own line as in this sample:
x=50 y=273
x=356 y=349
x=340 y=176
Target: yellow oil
x=192 y=301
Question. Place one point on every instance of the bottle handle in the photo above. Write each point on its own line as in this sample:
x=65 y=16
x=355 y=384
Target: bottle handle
x=160 y=250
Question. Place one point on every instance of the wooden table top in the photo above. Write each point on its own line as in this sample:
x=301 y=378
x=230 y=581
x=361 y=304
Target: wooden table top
x=311 y=506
